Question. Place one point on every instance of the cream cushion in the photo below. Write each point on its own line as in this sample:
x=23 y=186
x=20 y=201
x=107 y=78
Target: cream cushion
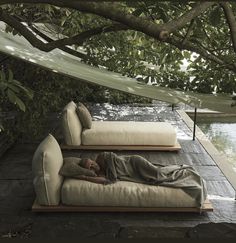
x=129 y=133
x=47 y=161
x=83 y=193
x=71 y=125
x=84 y=116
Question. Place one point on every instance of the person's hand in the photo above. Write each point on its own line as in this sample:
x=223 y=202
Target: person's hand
x=97 y=179
x=89 y=173
x=100 y=180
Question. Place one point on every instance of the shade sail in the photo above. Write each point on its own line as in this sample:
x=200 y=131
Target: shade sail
x=64 y=63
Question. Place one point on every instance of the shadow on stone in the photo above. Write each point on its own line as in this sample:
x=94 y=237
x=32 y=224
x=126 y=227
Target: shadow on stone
x=213 y=230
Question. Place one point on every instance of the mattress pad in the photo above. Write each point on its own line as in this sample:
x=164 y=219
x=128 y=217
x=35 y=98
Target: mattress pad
x=129 y=133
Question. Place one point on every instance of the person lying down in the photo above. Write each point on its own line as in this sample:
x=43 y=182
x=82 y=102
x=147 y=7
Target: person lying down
x=109 y=168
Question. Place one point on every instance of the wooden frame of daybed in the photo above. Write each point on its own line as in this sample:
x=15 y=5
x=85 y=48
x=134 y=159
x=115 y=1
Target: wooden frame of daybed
x=177 y=147
x=207 y=207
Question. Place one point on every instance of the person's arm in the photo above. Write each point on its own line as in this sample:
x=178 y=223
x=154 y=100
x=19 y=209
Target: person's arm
x=96 y=179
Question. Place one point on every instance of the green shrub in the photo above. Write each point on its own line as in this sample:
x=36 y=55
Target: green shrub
x=51 y=92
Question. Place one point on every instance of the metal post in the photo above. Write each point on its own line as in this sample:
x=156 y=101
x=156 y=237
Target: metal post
x=172 y=106
x=194 y=123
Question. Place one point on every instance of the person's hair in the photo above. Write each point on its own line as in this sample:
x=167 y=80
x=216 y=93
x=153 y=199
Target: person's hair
x=84 y=162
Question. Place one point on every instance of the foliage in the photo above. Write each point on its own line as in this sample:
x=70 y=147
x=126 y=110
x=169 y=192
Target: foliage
x=12 y=89
x=51 y=93
x=128 y=52
x=132 y=53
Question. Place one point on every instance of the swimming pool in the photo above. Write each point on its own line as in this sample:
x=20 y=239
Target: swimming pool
x=223 y=135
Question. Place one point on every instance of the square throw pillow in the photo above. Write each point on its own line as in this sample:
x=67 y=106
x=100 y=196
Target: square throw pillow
x=84 y=116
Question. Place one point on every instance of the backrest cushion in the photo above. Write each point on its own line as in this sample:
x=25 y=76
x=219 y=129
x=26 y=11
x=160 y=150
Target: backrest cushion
x=84 y=116
x=71 y=125
x=47 y=162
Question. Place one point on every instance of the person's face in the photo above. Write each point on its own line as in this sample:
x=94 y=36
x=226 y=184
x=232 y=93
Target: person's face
x=92 y=165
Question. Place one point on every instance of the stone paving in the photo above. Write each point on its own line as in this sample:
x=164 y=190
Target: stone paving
x=17 y=194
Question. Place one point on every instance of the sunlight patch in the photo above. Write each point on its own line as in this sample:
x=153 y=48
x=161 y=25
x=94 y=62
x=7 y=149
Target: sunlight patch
x=11 y=48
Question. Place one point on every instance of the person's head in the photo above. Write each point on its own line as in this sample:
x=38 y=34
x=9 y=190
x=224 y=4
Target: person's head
x=91 y=165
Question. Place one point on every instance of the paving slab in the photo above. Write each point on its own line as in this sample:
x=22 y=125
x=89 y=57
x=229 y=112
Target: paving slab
x=17 y=193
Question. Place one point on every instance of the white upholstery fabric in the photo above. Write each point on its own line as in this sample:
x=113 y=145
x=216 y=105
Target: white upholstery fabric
x=129 y=133
x=46 y=164
x=71 y=125
x=84 y=193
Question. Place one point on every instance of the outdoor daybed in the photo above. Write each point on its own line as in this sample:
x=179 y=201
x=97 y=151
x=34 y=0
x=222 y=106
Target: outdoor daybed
x=114 y=135
x=56 y=193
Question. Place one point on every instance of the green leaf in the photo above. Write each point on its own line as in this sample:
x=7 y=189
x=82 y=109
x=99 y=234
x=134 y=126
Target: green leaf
x=186 y=54
x=3 y=86
x=20 y=104
x=137 y=12
x=14 y=32
x=63 y=20
x=15 y=100
x=27 y=91
x=163 y=61
x=2 y=76
x=11 y=96
x=10 y=75
x=215 y=16
x=13 y=88
x=146 y=79
x=139 y=79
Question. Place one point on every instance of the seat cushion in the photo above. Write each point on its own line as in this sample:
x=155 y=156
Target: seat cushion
x=129 y=133
x=46 y=164
x=83 y=193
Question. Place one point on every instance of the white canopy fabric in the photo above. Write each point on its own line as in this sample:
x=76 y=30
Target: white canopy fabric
x=66 y=64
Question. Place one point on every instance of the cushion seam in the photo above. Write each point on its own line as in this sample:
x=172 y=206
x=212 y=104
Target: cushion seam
x=71 y=140
x=45 y=184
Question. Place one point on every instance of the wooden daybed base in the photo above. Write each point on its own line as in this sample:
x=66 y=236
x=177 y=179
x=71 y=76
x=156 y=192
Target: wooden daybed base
x=207 y=207
x=177 y=147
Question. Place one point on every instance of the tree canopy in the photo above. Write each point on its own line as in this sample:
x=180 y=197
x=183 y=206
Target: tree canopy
x=147 y=38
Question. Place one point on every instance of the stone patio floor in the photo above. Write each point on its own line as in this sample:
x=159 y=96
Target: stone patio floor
x=17 y=193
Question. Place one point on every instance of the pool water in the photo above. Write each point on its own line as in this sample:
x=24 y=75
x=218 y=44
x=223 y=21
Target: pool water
x=223 y=136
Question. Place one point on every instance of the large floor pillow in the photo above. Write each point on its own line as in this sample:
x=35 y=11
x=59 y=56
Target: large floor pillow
x=46 y=164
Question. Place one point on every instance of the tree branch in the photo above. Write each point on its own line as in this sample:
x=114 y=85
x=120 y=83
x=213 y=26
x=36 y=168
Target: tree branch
x=204 y=30
x=188 y=33
x=64 y=48
x=110 y=11
x=179 y=23
x=80 y=38
x=231 y=22
x=209 y=40
x=200 y=44
x=23 y=30
x=157 y=31
x=77 y=39
x=146 y=7
x=201 y=51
